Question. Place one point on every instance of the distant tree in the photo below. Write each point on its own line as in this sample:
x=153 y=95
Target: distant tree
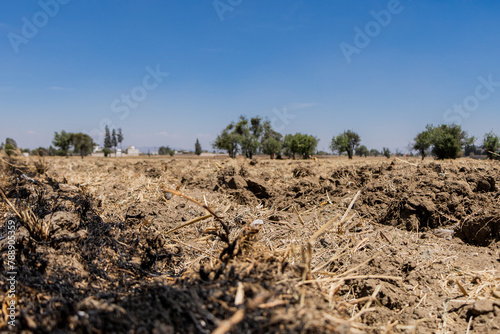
x=423 y=142
x=11 y=142
x=290 y=146
x=448 y=140
x=249 y=133
x=347 y=141
x=108 y=143
x=362 y=151
x=165 y=151
x=491 y=144
x=272 y=141
x=62 y=141
x=9 y=149
x=82 y=144
x=52 y=151
x=307 y=145
x=197 y=147
x=228 y=140
x=119 y=137
x=299 y=143
x=40 y=151
x=107 y=151
x=386 y=152
x=249 y=136
x=471 y=150
x=374 y=152
x=114 y=140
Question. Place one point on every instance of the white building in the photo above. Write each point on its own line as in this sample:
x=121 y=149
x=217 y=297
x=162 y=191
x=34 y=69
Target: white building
x=132 y=151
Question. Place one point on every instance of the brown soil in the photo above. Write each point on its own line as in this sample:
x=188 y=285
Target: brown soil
x=418 y=252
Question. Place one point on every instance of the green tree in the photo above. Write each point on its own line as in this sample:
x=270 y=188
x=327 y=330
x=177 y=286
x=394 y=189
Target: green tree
x=114 y=140
x=362 y=151
x=272 y=141
x=307 y=145
x=246 y=136
x=491 y=144
x=40 y=151
x=469 y=144
x=52 y=151
x=228 y=140
x=9 y=149
x=11 y=141
x=62 y=141
x=107 y=138
x=119 y=137
x=448 y=140
x=107 y=151
x=386 y=152
x=82 y=144
x=299 y=143
x=347 y=141
x=290 y=146
x=197 y=147
x=374 y=152
x=249 y=133
x=165 y=151
x=423 y=142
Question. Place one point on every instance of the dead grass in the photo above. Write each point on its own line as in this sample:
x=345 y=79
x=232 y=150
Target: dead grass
x=330 y=243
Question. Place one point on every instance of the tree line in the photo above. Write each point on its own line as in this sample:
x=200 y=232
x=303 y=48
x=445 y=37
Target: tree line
x=450 y=142
x=65 y=144
x=252 y=136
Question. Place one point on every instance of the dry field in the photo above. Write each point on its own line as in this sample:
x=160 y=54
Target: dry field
x=179 y=245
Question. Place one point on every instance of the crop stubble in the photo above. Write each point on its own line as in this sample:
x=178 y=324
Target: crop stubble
x=370 y=245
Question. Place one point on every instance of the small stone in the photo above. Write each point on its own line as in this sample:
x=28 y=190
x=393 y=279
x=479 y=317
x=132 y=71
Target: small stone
x=257 y=223
x=67 y=188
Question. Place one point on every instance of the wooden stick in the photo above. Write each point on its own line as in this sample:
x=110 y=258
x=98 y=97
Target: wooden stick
x=333 y=258
x=10 y=204
x=225 y=237
x=360 y=265
x=298 y=215
x=323 y=280
x=226 y=325
x=175 y=192
x=331 y=221
x=409 y=163
x=192 y=221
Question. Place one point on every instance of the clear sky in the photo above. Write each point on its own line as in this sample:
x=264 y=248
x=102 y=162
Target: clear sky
x=168 y=72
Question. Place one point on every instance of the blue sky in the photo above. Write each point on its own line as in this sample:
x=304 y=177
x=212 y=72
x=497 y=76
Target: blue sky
x=225 y=58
